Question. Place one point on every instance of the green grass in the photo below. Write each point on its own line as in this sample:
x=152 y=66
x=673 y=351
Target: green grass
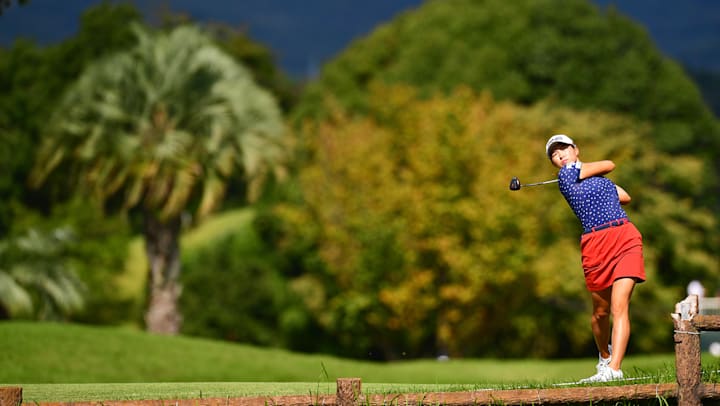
x=171 y=390
x=66 y=353
x=65 y=362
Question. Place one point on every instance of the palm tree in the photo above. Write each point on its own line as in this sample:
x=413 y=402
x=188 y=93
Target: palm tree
x=162 y=128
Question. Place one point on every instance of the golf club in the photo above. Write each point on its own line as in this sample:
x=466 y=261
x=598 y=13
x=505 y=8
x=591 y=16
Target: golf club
x=516 y=185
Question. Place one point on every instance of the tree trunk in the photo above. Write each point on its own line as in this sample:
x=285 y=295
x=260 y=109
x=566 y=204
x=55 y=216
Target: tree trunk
x=163 y=252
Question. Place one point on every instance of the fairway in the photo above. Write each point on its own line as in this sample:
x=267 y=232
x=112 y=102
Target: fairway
x=66 y=362
x=67 y=353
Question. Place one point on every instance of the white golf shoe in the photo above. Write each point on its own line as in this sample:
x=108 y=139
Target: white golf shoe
x=604 y=374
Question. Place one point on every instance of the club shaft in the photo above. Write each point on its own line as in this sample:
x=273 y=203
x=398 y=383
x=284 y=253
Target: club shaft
x=540 y=183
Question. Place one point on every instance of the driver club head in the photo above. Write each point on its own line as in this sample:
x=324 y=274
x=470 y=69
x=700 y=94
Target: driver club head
x=515 y=183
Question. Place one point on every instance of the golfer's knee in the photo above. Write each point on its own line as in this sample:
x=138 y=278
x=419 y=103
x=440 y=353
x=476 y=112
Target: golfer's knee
x=600 y=314
x=620 y=312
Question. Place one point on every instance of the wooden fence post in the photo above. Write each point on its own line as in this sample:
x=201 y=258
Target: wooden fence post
x=10 y=396
x=687 y=352
x=348 y=391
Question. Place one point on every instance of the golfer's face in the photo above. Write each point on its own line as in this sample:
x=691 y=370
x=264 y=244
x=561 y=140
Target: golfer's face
x=563 y=154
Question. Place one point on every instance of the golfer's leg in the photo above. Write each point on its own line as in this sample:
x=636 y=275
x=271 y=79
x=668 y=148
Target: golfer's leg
x=600 y=320
x=621 y=292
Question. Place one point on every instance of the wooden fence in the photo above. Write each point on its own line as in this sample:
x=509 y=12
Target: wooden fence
x=689 y=324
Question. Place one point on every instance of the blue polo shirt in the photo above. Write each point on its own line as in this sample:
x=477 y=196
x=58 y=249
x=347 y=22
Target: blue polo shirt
x=594 y=200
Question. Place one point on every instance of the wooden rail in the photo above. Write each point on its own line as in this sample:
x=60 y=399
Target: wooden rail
x=548 y=396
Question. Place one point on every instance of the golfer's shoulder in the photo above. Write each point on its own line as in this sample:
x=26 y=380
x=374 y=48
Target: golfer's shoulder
x=570 y=171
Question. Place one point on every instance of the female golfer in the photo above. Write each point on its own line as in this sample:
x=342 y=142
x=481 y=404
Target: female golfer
x=611 y=249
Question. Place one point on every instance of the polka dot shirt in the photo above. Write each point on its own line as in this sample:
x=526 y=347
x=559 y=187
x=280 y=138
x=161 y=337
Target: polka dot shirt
x=594 y=200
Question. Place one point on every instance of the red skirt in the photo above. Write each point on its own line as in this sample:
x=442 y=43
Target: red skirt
x=611 y=254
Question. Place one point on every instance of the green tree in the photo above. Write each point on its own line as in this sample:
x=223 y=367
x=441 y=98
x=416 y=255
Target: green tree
x=162 y=128
x=249 y=307
x=525 y=51
x=32 y=80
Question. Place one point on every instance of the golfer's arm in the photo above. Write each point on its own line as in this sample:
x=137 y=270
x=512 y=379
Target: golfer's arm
x=623 y=195
x=590 y=169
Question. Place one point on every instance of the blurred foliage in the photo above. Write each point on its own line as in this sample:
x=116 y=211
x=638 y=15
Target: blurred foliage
x=32 y=79
x=161 y=128
x=137 y=128
x=534 y=54
x=248 y=295
x=425 y=248
x=235 y=297
x=36 y=279
x=525 y=51
x=96 y=254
